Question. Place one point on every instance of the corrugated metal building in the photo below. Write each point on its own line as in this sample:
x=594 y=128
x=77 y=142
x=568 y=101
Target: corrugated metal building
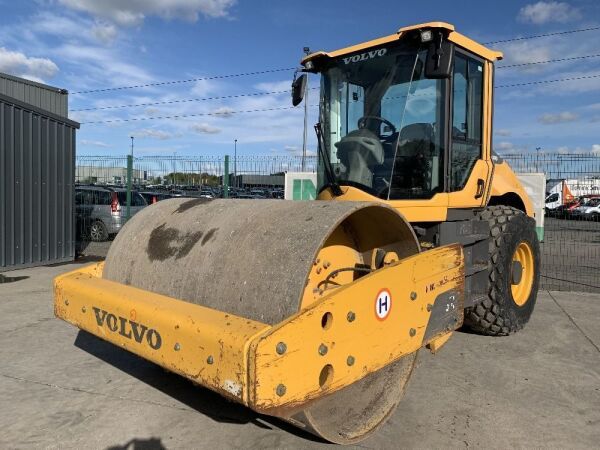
x=253 y=180
x=37 y=168
x=48 y=98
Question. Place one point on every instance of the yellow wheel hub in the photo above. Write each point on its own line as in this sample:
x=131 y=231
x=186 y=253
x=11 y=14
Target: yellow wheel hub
x=521 y=286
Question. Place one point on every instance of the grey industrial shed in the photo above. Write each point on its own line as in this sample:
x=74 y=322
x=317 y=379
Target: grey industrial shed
x=37 y=167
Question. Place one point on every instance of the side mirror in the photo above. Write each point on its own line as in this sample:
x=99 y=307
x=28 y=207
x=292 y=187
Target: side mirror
x=298 y=89
x=439 y=58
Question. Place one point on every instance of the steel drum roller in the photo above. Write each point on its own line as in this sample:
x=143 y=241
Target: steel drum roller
x=266 y=260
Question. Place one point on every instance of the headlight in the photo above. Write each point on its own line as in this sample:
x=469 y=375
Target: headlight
x=426 y=36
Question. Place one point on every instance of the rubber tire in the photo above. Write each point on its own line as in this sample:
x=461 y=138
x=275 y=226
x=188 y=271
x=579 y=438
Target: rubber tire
x=498 y=314
x=103 y=232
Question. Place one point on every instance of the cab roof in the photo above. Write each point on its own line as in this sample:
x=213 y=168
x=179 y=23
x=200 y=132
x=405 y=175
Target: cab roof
x=453 y=36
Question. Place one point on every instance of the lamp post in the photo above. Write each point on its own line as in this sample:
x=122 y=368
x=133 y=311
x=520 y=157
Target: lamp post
x=174 y=167
x=129 y=181
x=306 y=52
x=235 y=162
x=537 y=158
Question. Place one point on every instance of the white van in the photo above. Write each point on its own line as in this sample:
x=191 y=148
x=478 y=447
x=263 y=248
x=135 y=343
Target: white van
x=557 y=194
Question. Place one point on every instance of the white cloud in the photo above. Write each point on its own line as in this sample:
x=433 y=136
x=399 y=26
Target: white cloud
x=105 y=32
x=101 y=66
x=504 y=146
x=205 y=128
x=17 y=63
x=157 y=149
x=562 y=117
x=285 y=85
x=551 y=48
x=564 y=150
x=151 y=111
x=204 y=87
x=73 y=27
x=503 y=133
x=46 y=22
x=294 y=150
x=526 y=52
x=33 y=78
x=545 y=12
x=133 y=12
x=152 y=133
x=224 y=111
x=579 y=82
x=89 y=143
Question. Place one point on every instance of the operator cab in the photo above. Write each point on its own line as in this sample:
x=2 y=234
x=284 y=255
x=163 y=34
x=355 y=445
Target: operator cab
x=378 y=117
x=401 y=116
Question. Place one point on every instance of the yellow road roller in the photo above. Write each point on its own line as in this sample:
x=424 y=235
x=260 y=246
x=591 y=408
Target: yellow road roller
x=314 y=311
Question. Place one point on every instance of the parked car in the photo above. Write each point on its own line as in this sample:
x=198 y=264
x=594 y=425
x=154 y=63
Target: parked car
x=101 y=212
x=589 y=210
x=277 y=193
x=563 y=211
x=206 y=193
x=153 y=197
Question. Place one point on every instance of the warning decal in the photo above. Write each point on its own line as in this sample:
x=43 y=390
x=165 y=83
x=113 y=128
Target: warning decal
x=383 y=304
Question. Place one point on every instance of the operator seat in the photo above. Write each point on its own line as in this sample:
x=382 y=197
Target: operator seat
x=360 y=151
x=413 y=158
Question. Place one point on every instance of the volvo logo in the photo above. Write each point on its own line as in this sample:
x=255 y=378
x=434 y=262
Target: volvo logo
x=364 y=56
x=128 y=328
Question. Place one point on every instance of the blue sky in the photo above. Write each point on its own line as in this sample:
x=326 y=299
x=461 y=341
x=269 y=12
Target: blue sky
x=90 y=44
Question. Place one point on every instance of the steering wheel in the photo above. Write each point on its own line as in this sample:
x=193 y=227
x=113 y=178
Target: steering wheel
x=362 y=122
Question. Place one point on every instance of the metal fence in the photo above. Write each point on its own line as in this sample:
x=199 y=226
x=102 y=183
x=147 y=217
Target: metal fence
x=570 y=251
x=101 y=196
x=172 y=172
x=571 y=246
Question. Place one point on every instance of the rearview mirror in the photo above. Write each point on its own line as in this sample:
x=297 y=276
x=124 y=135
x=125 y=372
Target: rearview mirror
x=298 y=88
x=439 y=58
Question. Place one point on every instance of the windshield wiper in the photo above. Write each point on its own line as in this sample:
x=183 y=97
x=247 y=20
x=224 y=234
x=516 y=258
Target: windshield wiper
x=331 y=181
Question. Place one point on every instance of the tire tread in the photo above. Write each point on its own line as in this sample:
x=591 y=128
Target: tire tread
x=489 y=317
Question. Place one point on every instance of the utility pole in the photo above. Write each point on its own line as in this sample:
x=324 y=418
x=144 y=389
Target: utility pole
x=235 y=163
x=306 y=52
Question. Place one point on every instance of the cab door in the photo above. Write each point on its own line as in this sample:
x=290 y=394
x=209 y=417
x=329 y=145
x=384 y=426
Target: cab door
x=469 y=169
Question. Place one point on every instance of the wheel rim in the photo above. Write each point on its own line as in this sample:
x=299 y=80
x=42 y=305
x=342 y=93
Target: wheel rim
x=95 y=231
x=521 y=290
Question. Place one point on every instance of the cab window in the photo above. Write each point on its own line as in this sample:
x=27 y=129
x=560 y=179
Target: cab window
x=467 y=104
